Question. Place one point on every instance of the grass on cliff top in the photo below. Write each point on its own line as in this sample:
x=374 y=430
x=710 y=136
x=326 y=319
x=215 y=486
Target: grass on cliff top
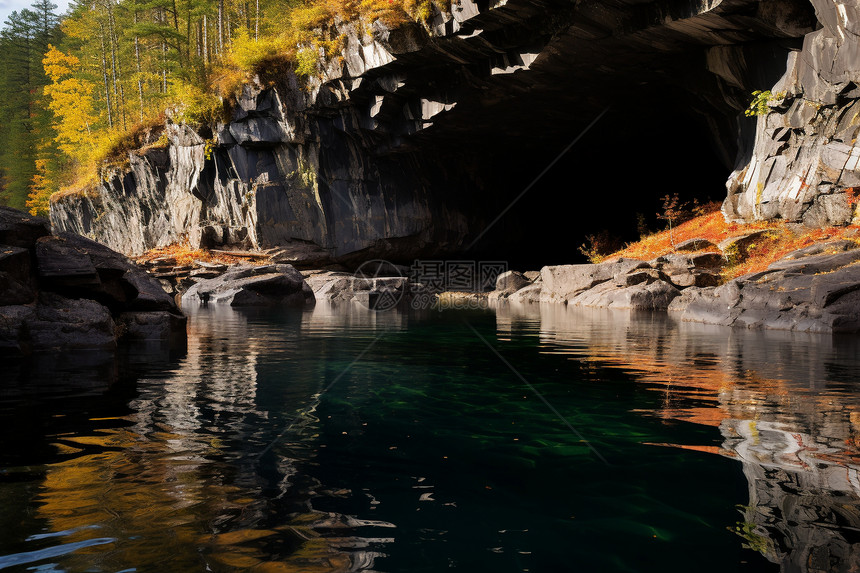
x=779 y=240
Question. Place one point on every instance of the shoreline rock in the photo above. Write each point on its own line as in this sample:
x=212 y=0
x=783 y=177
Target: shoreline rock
x=806 y=293
x=62 y=292
x=814 y=289
x=247 y=285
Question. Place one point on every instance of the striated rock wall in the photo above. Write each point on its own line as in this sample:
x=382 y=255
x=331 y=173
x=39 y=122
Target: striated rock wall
x=805 y=154
x=406 y=145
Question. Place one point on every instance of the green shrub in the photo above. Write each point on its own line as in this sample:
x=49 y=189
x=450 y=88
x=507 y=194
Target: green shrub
x=760 y=104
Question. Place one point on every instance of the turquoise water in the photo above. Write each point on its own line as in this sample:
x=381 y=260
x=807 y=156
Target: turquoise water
x=528 y=439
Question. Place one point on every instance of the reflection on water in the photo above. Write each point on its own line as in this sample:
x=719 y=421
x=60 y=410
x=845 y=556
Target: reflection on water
x=786 y=404
x=170 y=478
x=339 y=439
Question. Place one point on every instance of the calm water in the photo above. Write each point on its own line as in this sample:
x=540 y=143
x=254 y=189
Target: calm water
x=343 y=440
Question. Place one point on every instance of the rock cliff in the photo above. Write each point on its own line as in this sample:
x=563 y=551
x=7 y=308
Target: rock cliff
x=805 y=157
x=412 y=142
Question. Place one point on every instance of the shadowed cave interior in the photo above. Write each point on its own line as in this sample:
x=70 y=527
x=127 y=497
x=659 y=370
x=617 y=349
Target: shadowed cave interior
x=656 y=144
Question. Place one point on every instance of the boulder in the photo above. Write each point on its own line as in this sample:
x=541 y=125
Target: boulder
x=562 y=283
x=511 y=281
x=62 y=266
x=76 y=265
x=18 y=229
x=377 y=293
x=149 y=326
x=735 y=248
x=507 y=284
x=74 y=295
x=695 y=245
x=246 y=285
x=648 y=295
x=529 y=294
x=638 y=276
x=62 y=323
x=16 y=284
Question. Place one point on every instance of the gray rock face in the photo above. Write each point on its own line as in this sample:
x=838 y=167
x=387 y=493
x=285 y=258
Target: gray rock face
x=76 y=294
x=805 y=155
x=564 y=282
x=811 y=293
x=268 y=285
x=377 y=157
x=654 y=295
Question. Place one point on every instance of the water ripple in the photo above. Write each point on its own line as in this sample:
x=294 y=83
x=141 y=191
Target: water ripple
x=50 y=552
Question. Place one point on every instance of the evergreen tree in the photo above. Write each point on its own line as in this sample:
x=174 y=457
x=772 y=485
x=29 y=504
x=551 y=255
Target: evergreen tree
x=26 y=122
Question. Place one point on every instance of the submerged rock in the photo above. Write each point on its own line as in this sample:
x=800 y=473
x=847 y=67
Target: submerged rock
x=246 y=285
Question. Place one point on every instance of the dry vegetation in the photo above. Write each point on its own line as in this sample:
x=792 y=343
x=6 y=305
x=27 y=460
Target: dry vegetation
x=779 y=240
x=184 y=255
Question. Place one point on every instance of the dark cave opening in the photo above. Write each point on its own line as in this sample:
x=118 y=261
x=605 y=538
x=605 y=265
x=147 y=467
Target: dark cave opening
x=656 y=144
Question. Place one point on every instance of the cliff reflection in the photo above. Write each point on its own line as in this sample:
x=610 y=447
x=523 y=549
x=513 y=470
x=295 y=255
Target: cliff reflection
x=785 y=403
x=178 y=484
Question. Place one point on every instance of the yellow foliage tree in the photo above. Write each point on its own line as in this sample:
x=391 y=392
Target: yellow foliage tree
x=70 y=99
x=41 y=189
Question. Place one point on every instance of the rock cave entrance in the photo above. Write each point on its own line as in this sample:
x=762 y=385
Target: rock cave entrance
x=655 y=143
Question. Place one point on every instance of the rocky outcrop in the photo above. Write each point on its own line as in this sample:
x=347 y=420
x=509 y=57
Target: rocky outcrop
x=815 y=289
x=809 y=290
x=67 y=292
x=247 y=285
x=804 y=165
x=394 y=149
x=621 y=283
